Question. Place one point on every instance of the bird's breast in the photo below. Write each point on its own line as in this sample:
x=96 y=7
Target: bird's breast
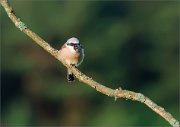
x=70 y=57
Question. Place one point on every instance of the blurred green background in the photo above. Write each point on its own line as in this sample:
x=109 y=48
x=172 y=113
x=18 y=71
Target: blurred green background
x=133 y=45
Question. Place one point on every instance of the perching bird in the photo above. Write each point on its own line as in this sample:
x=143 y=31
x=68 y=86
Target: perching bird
x=72 y=53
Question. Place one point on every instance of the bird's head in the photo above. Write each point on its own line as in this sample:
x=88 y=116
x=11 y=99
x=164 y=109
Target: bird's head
x=72 y=41
x=74 y=44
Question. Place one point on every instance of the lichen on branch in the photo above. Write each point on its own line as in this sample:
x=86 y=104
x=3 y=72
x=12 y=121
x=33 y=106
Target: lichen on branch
x=117 y=93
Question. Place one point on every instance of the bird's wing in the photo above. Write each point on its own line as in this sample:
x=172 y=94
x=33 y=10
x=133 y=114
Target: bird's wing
x=81 y=57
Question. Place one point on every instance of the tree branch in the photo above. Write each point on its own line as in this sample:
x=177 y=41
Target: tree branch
x=117 y=93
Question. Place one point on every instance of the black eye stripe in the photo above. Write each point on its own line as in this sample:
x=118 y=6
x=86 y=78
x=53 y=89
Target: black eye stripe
x=72 y=44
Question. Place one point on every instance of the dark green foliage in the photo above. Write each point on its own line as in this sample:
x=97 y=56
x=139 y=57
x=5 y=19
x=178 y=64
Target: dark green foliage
x=129 y=44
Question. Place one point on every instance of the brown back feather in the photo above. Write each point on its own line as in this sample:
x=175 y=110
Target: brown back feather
x=63 y=46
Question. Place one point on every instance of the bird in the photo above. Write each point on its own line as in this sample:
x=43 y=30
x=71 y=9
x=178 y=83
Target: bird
x=72 y=52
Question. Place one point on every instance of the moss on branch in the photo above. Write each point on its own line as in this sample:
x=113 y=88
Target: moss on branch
x=117 y=93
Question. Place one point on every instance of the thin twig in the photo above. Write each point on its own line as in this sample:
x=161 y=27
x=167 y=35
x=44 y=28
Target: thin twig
x=117 y=93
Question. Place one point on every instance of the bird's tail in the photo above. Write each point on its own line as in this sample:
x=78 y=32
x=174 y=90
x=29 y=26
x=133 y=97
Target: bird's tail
x=70 y=76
